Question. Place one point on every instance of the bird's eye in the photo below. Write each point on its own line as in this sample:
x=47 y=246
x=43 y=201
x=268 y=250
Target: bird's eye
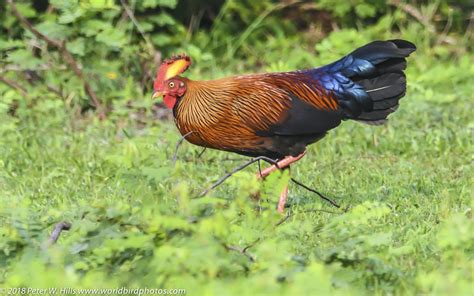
x=171 y=84
x=181 y=84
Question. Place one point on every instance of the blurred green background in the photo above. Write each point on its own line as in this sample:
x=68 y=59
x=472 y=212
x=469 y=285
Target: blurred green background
x=82 y=141
x=118 y=49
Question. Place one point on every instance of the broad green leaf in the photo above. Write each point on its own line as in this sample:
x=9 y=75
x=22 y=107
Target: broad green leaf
x=77 y=46
x=155 y=3
x=23 y=58
x=70 y=16
x=163 y=19
x=70 y=5
x=112 y=37
x=93 y=27
x=53 y=30
x=98 y=4
x=10 y=44
x=161 y=39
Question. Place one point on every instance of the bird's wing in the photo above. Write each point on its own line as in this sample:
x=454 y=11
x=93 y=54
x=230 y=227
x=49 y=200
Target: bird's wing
x=286 y=104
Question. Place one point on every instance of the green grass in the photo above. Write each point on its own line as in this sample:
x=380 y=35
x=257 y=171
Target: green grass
x=405 y=188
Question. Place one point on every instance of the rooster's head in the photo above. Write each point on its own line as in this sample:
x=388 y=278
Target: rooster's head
x=168 y=83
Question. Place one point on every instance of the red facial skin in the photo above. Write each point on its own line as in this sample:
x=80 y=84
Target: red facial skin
x=172 y=89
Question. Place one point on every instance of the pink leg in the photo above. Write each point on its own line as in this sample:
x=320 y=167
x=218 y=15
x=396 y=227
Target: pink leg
x=282 y=164
x=282 y=201
x=285 y=162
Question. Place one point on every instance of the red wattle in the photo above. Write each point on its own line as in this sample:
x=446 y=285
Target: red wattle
x=169 y=101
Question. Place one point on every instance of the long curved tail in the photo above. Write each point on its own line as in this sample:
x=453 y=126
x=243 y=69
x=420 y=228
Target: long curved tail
x=370 y=81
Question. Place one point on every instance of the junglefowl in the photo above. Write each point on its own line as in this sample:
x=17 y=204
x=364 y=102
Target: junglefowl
x=277 y=115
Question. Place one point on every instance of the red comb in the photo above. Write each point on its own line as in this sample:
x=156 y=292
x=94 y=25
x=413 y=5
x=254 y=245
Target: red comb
x=170 y=68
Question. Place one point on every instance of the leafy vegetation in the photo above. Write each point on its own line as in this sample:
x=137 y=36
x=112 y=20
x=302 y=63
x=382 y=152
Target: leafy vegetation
x=405 y=226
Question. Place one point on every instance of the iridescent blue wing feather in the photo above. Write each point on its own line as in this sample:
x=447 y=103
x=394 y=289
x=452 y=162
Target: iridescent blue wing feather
x=368 y=82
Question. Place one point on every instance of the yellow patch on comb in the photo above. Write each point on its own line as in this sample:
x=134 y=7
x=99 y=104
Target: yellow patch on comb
x=177 y=67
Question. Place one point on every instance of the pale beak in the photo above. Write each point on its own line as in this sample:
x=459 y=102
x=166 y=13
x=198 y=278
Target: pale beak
x=157 y=94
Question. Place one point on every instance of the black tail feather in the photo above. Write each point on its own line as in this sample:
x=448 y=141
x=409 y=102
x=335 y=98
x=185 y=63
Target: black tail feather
x=385 y=85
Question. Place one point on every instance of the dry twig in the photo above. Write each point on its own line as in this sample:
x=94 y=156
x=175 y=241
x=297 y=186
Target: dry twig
x=237 y=169
x=178 y=144
x=14 y=85
x=244 y=250
x=202 y=152
x=284 y=219
x=132 y=17
x=273 y=162
x=332 y=202
x=57 y=232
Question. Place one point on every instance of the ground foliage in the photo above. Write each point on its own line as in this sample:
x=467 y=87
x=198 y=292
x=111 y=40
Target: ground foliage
x=405 y=226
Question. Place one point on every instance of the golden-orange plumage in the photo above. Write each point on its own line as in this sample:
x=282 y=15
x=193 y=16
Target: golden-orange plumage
x=227 y=114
